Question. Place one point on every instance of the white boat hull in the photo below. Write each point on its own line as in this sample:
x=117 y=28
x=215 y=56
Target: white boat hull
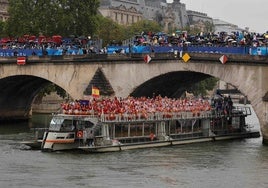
x=56 y=141
x=152 y=144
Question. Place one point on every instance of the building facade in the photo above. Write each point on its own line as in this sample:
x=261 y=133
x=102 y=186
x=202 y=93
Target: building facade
x=125 y=12
x=3 y=10
x=200 y=20
x=221 y=25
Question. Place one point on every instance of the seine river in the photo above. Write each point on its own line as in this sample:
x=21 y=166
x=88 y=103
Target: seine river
x=226 y=164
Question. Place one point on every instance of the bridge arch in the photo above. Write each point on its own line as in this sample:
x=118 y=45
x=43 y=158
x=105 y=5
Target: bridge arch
x=17 y=94
x=171 y=84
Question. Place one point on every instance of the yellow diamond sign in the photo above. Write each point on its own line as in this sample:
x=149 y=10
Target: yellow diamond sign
x=186 y=57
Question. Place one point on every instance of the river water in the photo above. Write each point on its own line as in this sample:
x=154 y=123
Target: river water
x=226 y=164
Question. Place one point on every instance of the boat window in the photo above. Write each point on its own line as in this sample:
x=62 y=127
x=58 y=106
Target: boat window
x=56 y=123
x=148 y=129
x=67 y=125
x=235 y=122
x=121 y=130
x=88 y=124
x=81 y=124
x=98 y=131
x=61 y=124
x=136 y=130
x=175 y=127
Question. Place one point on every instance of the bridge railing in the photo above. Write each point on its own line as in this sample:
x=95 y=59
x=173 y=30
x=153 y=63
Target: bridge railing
x=138 y=57
x=127 y=48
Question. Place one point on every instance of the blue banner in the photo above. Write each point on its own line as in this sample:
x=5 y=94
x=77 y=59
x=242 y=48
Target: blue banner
x=197 y=49
x=258 y=50
x=138 y=49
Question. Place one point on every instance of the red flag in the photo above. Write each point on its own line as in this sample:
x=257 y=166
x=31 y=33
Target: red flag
x=223 y=59
x=147 y=59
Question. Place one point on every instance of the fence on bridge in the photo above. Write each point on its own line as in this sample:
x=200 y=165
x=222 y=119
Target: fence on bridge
x=137 y=49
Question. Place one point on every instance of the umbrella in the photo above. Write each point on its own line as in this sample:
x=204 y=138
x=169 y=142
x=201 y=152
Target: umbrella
x=5 y=40
x=41 y=38
x=57 y=39
x=31 y=38
x=21 y=40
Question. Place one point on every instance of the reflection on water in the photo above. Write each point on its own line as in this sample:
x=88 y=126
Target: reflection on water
x=14 y=128
x=24 y=130
x=232 y=164
x=40 y=120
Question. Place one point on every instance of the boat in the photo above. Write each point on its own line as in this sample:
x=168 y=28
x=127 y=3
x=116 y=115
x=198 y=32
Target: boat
x=36 y=142
x=90 y=131
x=67 y=132
x=160 y=130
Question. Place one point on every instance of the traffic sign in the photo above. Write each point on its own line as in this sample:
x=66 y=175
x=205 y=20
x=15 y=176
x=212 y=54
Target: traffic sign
x=21 y=60
x=186 y=57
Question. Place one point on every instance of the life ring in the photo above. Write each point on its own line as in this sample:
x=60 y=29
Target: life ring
x=152 y=136
x=79 y=134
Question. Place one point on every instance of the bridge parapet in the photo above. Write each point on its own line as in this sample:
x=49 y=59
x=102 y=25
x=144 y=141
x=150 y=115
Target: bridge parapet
x=137 y=57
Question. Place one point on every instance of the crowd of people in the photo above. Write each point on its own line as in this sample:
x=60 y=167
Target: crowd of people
x=48 y=45
x=86 y=45
x=223 y=39
x=138 y=107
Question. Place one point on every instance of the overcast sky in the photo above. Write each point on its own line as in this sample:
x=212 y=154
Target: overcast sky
x=243 y=13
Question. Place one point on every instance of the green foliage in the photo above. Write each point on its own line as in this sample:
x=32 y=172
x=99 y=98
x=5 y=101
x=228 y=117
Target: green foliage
x=69 y=17
x=112 y=32
x=49 y=17
x=109 y=31
x=143 y=25
x=209 y=27
x=52 y=88
x=201 y=88
x=2 y=29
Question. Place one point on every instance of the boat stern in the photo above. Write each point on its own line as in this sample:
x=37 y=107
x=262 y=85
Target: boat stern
x=54 y=141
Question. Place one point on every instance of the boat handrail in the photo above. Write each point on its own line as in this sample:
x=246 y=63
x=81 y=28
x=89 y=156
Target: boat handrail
x=246 y=110
x=160 y=116
x=157 y=116
x=73 y=116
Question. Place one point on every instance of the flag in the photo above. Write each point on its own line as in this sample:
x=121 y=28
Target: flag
x=95 y=92
x=223 y=59
x=147 y=59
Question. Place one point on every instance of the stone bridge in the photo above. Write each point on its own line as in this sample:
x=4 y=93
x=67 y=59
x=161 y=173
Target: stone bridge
x=122 y=75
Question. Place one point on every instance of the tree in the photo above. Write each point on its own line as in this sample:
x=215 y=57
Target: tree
x=209 y=27
x=19 y=21
x=82 y=16
x=143 y=25
x=2 y=29
x=47 y=91
x=49 y=17
x=110 y=30
x=202 y=87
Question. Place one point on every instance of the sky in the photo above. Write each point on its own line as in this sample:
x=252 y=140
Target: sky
x=243 y=13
